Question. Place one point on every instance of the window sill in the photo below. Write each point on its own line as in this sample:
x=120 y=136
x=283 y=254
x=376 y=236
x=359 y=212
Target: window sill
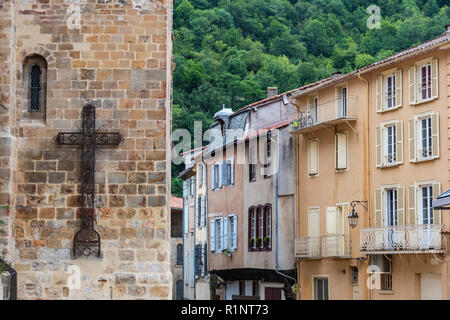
x=386 y=292
x=385 y=110
x=390 y=165
x=423 y=101
x=425 y=159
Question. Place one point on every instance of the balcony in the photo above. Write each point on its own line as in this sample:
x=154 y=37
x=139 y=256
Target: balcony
x=409 y=239
x=328 y=113
x=329 y=246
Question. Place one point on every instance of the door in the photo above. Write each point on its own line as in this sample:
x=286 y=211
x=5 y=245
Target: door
x=272 y=293
x=426 y=216
x=430 y=286
x=391 y=216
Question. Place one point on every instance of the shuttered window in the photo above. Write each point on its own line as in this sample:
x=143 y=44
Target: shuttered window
x=389 y=206
x=389 y=144
x=420 y=197
x=389 y=91
x=424 y=137
x=423 y=81
x=341 y=151
x=313 y=157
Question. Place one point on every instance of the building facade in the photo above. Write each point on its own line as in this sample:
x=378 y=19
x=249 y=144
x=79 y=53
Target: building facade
x=55 y=57
x=176 y=247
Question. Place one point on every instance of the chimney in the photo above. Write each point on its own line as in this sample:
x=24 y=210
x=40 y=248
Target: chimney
x=335 y=75
x=272 y=91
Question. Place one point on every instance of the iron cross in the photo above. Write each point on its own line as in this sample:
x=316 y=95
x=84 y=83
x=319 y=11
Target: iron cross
x=87 y=240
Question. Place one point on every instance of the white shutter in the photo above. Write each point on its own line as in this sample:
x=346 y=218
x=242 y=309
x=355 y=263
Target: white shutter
x=341 y=150
x=398 y=88
x=220 y=168
x=192 y=273
x=232 y=170
x=399 y=141
x=202 y=211
x=412 y=85
x=378 y=197
x=186 y=268
x=434 y=78
x=379 y=93
x=212 y=176
x=412 y=140
x=331 y=220
x=379 y=146
x=412 y=205
x=212 y=235
x=436 y=213
x=313 y=155
x=234 y=233
x=226 y=222
x=313 y=222
x=202 y=255
x=205 y=167
x=196 y=212
x=220 y=235
x=435 y=134
x=400 y=206
x=186 y=218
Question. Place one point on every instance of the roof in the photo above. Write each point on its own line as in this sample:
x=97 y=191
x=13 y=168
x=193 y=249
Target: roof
x=176 y=203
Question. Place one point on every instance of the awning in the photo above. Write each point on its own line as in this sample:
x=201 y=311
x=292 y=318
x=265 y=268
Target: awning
x=442 y=201
x=186 y=173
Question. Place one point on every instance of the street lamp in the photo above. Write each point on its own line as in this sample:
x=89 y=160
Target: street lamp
x=353 y=216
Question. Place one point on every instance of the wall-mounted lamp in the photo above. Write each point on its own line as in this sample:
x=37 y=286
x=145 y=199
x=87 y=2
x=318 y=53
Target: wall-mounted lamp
x=353 y=216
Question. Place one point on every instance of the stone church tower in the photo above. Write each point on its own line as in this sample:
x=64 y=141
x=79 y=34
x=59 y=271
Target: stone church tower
x=56 y=56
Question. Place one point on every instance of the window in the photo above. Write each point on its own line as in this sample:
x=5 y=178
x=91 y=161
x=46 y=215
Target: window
x=179 y=288
x=185 y=189
x=423 y=81
x=313 y=157
x=228 y=172
x=420 y=197
x=389 y=143
x=200 y=175
x=35 y=80
x=252 y=163
x=260 y=228
x=242 y=288
x=341 y=151
x=424 y=137
x=321 y=289
x=186 y=219
x=230 y=232
x=386 y=281
x=186 y=268
x=216 y=176
x=179 y=254
x=341 y=102
x=312 y=105
x=389 y=206
x=191 y=186
x=192 y=271
x=255 y=288
x=389 y=90
x=426 y=198
x=219 y=234
x=199 y=211
x=267 y=166
x=354 y=273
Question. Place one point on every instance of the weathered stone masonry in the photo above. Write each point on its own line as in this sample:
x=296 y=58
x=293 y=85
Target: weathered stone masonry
x=119 y=59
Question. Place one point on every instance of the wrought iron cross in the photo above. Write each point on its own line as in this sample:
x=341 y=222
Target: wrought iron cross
x=87 y=240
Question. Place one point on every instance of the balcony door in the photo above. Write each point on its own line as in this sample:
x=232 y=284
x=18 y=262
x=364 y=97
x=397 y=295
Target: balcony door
x=426 y=216
x=391 y=218
x=342 y=102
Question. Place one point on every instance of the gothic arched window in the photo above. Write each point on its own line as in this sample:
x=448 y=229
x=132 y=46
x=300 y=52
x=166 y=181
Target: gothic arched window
x=35 y=86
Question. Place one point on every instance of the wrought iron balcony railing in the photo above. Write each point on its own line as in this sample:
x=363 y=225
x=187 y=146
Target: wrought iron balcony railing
x=326 y=113
x=337 y=245
x=424 y=238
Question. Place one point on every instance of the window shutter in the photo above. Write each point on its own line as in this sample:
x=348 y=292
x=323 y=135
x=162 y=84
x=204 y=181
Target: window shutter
x=412 y=205
x=212 y=235
x=197 y=205
x=436 y=213
x=220 y=235
x=212 y=177
x=186 y=267
x=412 y=85
x=221 y=171
x=199 y=175
x=435 y=134
x=399 y=141
x=226 y=228
x=313 y=151
x=379 y=92
x=331 y=222
x=398 y=88
x=186 y=218
x=434 y=78
x=234 y=233
x=202 y=211
x=400 y=206
x=345 y=213
x=192 y=273
x=379 y=146
x=205 y=167
x=313 y=222
x=412 y=139
x=232 y=170
x=202 y=257
x=378 y=208
x=341 y=151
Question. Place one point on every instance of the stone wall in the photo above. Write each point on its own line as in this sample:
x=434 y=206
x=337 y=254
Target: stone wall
x=117 y=59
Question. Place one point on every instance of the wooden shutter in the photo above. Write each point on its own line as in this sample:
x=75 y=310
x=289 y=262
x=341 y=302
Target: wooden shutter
x=412 y=217
x=400 y=206
x=435 y=134
x=331 y=223
x=313 y=222
x=378 y=208
x=212 y=235
x=412 y=139
x=379 y=92
x=212 y=176
x=341 y=150
x=226 y=228
x=412 y=85
x=232 y=170
x=398 y=88
x=314 y=157
x=436 y=213
x=399 y=141
x=379 y=146
x=434 y=78
x=234 y=235
x=343 y=219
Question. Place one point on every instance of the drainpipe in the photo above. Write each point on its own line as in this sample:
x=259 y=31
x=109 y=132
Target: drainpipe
x=276 y=212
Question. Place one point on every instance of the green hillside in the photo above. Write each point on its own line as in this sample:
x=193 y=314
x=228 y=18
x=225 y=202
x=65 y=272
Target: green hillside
x=229 y=51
